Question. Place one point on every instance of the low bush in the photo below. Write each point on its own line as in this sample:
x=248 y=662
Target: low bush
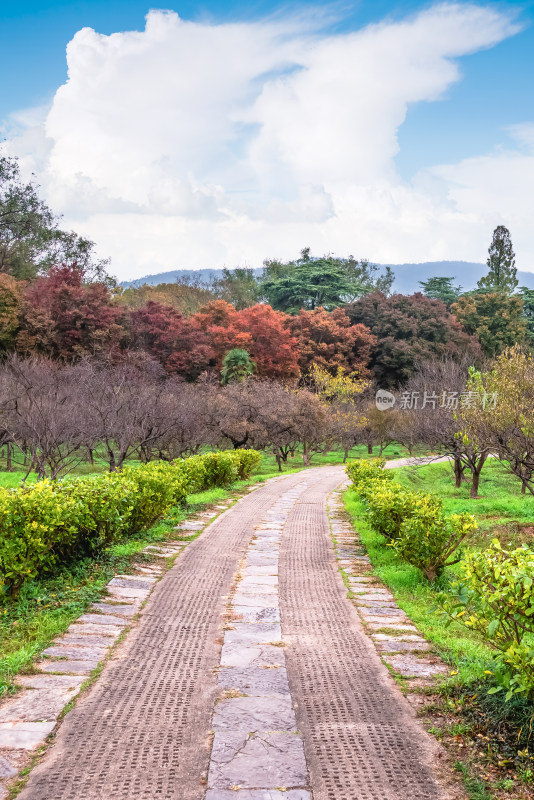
x=414 y=522
x=365 y=473
x=389 y=504
x=495 y=597
x=34 y=521
x=247 y=461
x=104 y=510
x=153 y=493
x=48 y=524
x=429 y=540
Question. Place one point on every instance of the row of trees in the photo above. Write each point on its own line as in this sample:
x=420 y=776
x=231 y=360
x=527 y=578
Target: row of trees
x=64 y=317
x=56 y=301
x=55 y=416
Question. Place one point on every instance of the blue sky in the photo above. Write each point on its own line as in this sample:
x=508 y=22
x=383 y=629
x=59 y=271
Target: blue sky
x=181 y=148
x=496 y=89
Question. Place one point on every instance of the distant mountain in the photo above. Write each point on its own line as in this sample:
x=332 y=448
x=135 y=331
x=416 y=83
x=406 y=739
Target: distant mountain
x=407 y=276
x=465 y=274
x=200 y=275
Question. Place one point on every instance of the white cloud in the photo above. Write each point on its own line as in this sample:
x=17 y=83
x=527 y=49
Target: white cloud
x=196 y=145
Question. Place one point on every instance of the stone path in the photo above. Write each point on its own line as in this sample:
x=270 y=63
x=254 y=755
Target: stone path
x=248 y=676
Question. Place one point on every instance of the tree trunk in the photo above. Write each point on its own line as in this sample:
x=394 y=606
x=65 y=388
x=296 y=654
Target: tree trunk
x=9 y=465
x=346 y=454
x=370 y=448
x=458 y=472
x=278 y=461
x=474 y=484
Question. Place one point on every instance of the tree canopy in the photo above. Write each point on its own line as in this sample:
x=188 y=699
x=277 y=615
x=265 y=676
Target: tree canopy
x=502 y=275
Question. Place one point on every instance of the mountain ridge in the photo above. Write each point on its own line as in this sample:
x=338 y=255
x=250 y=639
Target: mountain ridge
x=407 y=275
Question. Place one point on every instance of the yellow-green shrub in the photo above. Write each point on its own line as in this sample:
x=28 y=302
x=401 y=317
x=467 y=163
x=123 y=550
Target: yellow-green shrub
x=105 y=504
x=495 y=597
x=365 y=475
x=220 y=469
x=389 y=504
x=246 y=461
x=34 y=521
x=47 y=524
x=430 y=540
x=153 y=491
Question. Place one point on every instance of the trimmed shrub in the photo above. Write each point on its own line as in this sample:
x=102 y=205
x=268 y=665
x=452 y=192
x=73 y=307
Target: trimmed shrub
x=51 y=523
x=105 y=504
x=495 y=596
x=366 y=476
x=34 y=521
x=195 y=470
x=428 y=539
x=153 y=494
x=388 y=505
x=221 y=469
x=247 y=461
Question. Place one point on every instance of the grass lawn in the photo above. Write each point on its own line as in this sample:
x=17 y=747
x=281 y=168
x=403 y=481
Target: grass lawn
x=502 y=512
x=491 y=741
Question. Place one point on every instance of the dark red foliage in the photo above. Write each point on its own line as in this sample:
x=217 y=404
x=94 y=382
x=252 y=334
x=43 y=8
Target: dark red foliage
x=177 y=342
x=409 y=329
x=66 y=319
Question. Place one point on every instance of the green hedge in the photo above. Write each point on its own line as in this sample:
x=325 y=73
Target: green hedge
x=49 y=524
x=414 y=522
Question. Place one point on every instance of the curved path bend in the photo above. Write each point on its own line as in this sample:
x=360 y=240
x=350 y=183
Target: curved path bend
x=192 y=707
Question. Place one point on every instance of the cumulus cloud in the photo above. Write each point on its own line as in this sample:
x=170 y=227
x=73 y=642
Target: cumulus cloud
x=195 y=144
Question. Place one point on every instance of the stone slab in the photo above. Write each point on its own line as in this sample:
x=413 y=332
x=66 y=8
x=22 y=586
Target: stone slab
x=254 y=614
x=257 y=569
x=256 y=580
x=261 y=632
x=257 y=588
x=35 y=705
x=127 y=583
x=254 y=681
x=78 y=653
x=124 y=591
x=53 y=682
x=74 y=667
x=262 y=560
x=134 y=579
x=367 y=604
x=413 y=667
x=248 y=714
x=260 y=761
x=391 y=645
x=258 y=794
x=84 y=641
x=122 y=610
x=251 y=655
x=7 y=770
x=90 y=629
x=103 y=619
x=256 y=600
x=378 y=625
x=383 y=611
x=24 y=735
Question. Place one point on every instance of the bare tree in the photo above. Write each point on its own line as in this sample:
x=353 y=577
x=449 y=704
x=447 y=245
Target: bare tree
x=41 y=417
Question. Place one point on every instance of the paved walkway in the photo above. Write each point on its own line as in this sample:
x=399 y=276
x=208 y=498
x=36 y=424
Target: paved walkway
x=248 y=677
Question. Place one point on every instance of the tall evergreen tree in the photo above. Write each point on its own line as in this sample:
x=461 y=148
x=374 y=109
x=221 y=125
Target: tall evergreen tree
x=441 y=289
x=502 y=274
